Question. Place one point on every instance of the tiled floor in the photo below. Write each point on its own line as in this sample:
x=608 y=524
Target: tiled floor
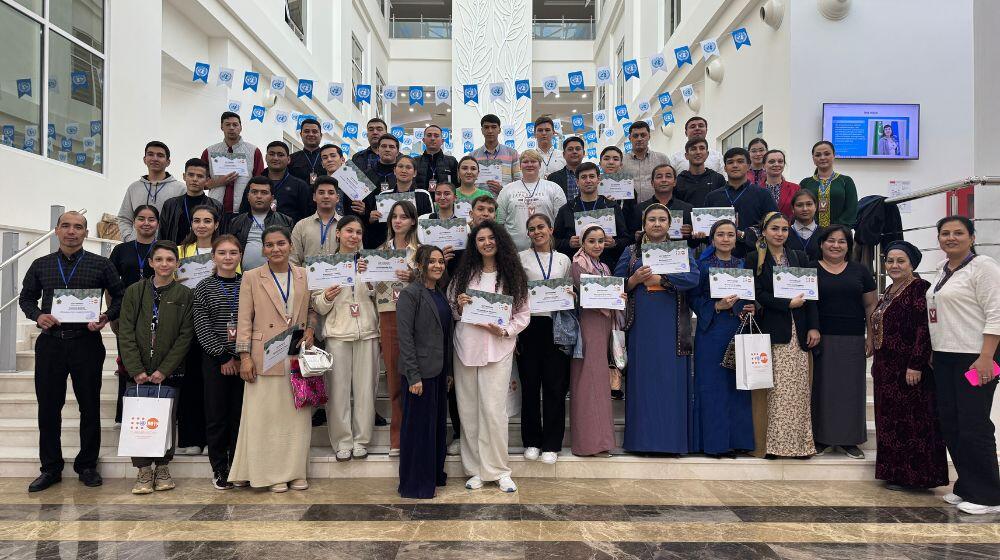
x=546 y=518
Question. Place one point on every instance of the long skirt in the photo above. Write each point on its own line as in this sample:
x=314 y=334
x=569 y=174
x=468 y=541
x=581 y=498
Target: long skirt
x=786 y=428
x=590 y=412
x=389 y=339
x=838 y=392
x=273 y=444
x=423 y=440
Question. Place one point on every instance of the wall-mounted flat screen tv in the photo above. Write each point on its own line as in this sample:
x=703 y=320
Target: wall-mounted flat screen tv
x=873 y=131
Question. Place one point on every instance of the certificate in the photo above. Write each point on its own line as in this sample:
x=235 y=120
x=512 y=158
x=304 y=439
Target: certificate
x=276 y=349
x=790 y=281
x=618 y=186
x=676 y=221
x=550 y=295
x=463 y=208
x=383 y=265
x=355 y=184
x=487 y=308
x=443 y=233
x=705 y=218
x=194 y=269
x=76 y=306
x=669 y=257
x=323 y=271
x=725 y=282
x=602 y=292
x=224 y=163
x=490 y=170
x=605 y=217
x=384 y=202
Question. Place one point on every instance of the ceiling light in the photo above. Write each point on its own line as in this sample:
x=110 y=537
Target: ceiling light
x=583 y=96
x=574 y=110
x=557 y=96
x=411 y=109
x=449 y=109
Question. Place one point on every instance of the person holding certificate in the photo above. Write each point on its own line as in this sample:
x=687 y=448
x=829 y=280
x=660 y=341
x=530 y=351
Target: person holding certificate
x=659 y=345
x=723 y=422
x=847 y=299
x=782 y=415
x=567 y=221
x=70 y=344
x=484 y=353
x=156 y=327
x=542 y=366
x=425 y=361
x=590 y=410
x=350 y=328
x=612 y=160
x=377 y=219
x=750 y=202
x=403 y=220
x=272 y=449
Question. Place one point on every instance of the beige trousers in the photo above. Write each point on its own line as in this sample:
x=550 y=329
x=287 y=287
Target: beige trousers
x=354 y=372
x=482 y=406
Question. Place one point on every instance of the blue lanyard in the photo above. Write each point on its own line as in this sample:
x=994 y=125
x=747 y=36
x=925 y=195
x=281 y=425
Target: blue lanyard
x=732 y=201
x=233 y=296
x=274 y=189
x=597 y=264
x=824 y=186
x=150 y=193
x=531 y=194
x=288 y=285
x=324 y=229
x=584 y=206
x=311 y=161
x=545 y=275
x=142 y=260
x=72 y=272
x=256 y=223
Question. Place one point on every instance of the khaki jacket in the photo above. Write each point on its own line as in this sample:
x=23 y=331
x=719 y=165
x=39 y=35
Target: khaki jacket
x=262 y=313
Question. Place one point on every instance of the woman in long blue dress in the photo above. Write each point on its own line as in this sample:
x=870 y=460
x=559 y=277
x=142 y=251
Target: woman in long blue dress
x=658 y=383
x=722 y=419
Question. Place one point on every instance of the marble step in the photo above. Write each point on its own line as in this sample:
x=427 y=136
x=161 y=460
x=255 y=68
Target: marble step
x=22 y=462
x=25 y=359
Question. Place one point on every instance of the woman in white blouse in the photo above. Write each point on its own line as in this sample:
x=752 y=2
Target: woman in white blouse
x=963 y=308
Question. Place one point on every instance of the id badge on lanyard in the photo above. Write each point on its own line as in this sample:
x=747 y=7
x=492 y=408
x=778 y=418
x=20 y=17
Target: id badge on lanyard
x=932 y=310
x=355 y=310
x=231 y=331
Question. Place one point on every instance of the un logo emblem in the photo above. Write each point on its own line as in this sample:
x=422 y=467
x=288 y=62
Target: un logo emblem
x=631 y=68
x=657 y=62
x=683 y=55
x=522 y=88
x=200 y=71
x=351 y=128
x=277 y=84
x=416 y=94
x=364 y=91
x=604 y=75
x=621 y=112
x=550 y=84
x=250 y=79
x=306 y=87
x=710 y=47
x=741 y=36
x=258 y=112
x=224 y=76
x=443 y=94
x=470 y=92
x=577 y=80
x=234 y=107
x=23 y=87
x=496 y=91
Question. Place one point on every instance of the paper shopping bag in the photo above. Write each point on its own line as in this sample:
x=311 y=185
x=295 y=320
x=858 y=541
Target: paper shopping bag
x=147 y=427
x=754 y=362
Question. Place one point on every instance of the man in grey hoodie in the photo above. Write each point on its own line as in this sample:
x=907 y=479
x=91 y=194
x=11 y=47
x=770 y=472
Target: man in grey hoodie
x=154 y=188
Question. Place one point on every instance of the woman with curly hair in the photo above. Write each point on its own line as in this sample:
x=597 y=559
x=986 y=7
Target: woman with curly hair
x=484 y=353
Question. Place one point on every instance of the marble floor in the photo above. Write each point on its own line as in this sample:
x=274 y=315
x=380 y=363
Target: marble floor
x=546 y=518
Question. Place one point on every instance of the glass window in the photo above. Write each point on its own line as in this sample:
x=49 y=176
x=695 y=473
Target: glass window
x=83 y=19
x=379 y=87
x=75 y=119
x=620 y=81
x=357 y=66
x=295 y=17
x=33 y=5
x=602 y=104
x=672 y=17
x=753 y=128
x=21 y=89
x=734 y=140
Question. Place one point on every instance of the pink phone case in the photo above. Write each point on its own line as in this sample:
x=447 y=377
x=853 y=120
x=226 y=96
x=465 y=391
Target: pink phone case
x=973 y=376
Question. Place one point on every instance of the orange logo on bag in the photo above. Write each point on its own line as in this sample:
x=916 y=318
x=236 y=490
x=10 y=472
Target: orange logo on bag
x=763 y=357
x=152 y=423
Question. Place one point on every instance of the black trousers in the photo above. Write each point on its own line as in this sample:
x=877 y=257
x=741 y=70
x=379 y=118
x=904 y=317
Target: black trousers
x=543 y=369
x=191 y=404
x=423 y=442
x=82 y=359
x=223 y=406
x=456 y=423
x=964 y=412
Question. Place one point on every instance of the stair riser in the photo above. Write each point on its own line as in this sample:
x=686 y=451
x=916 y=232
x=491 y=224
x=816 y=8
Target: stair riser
x=26 y=361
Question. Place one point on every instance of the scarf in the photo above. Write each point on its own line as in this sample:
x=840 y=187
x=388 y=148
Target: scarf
x=762 y=242
x=592 y=266
x=823 y=194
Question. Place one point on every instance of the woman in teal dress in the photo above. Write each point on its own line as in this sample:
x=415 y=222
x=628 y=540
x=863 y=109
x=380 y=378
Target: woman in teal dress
x=722 y=421
x=658 y=383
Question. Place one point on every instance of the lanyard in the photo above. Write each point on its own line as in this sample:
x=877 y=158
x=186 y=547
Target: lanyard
x=531 y=193
x=549 y=159
x=324 y=229
x=150 y=193
x=186 y=211
x=256 y=223
x=142 y=260
x=277 y=185
x=310 y=161
x=584 y=206
x=66 y=280
x=949 y=273
x=233 y=295
x=824 y=186
x=597 y=264
x=545 y=274
x=288 y=286
x=732 y=201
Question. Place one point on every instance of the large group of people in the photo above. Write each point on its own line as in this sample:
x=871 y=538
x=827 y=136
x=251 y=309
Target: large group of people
x=208 y=342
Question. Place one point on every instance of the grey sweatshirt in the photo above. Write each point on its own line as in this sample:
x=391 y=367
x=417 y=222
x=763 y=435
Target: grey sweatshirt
x=145 y=192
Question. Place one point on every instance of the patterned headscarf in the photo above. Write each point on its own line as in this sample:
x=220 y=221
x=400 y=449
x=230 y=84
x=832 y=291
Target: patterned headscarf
x=762 y=241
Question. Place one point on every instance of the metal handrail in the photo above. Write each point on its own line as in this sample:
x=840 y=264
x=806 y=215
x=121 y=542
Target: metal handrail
x=28 y=249
x=960 y=184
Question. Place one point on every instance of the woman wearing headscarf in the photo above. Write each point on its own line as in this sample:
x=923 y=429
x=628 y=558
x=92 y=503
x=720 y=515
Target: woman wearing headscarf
x=910 y=447
x=659 y=384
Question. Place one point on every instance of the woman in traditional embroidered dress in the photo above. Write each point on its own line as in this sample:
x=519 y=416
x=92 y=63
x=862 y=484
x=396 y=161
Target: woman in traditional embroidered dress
x=836 y=193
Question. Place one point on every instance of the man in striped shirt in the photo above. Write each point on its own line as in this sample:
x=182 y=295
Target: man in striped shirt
x=492 y=152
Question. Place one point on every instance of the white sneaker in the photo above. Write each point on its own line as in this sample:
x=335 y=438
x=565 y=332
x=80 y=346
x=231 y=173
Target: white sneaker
x=953 y=499
x=455 y=447
x=531 y=453
x=394 y=452
x=343 y=455
x=359 y=452
x=550 y=457
x=976 y=509
x=506 y=484
x=474 y=483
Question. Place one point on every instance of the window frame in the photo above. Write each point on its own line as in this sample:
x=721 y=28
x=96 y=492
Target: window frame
x=380 y=108
x=48 y=27
x=739 y=129
x=620 y=73
x=357 y=64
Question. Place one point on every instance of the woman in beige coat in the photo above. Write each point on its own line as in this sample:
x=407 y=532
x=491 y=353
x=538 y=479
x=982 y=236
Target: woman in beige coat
x=272 y=448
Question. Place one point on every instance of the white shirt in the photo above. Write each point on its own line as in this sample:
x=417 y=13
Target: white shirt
x=561 y=266
x=805 y=232
x=966 y=307
x=520 y=199
x=714 y=162
x=552 y=161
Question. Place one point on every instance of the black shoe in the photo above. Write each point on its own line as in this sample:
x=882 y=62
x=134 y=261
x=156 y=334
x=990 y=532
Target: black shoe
x=91 y=478
x=220 y=481
x=379 y=421
x=617 y=395
x=43 y=481
x=319 y=418
x=853 y=452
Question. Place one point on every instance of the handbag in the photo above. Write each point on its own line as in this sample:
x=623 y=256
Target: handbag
x=307 y=391
x=754 y=360
x=619 y=350
x=314 y=361
x=729 y=356
x=147 y=421
x=616 y=378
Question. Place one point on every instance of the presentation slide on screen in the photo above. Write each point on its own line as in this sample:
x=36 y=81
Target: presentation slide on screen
x=872 y=131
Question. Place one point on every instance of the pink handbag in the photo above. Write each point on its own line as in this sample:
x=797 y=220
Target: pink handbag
x=308 y=391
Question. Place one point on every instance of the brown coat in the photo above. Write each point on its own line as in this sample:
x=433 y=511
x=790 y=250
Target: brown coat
x=262 y=313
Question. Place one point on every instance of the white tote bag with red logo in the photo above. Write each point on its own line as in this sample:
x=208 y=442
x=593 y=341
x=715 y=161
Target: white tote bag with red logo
x=147 y=428
x=754 y=360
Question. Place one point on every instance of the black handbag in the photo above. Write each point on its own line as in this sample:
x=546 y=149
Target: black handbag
x=729 y=356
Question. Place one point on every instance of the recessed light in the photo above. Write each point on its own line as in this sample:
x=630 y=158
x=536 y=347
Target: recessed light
x=411 y=109
x=557 y=96
x=574 y=110
x=583 y=96
x=449 y=109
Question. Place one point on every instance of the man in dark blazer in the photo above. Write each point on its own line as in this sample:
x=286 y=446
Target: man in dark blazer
x=573 y=152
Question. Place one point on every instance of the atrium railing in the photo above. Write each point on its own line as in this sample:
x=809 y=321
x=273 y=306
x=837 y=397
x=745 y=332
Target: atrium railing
x=419 y=28
x=563 y=29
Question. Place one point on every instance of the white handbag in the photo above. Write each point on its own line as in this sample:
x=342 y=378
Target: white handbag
x=754 y=360
x=314 y=361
